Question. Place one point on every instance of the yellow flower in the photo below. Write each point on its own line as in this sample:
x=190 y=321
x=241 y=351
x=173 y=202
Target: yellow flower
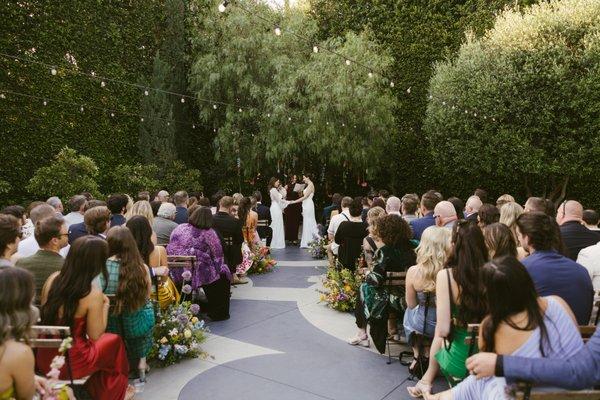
x=322 y=298
x=194 y=320
x=347 y=288
x=163 y=340
x=187 y=333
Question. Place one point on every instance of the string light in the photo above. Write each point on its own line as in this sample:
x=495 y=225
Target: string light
x=215 y=106
x=193 y=126
x=408 y=90
x=53 y=71
x=142 y=119
x=146 y=92
x=240 y=110
x=102 y=84
x=182 y=100
x=392 y=84
x=81 y=109
x=277 y=31
x=348 y=62
x=45 y=103
x=370 y=74
x=2 y=96
x=112 y=114
x=223 y=6
x=315 y=49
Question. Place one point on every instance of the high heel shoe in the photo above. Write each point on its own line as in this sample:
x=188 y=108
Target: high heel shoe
x=419 y=389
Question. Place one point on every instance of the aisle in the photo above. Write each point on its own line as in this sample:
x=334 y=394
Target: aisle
x=280 y=343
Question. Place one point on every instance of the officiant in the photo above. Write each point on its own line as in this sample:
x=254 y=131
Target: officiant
x=293 y=212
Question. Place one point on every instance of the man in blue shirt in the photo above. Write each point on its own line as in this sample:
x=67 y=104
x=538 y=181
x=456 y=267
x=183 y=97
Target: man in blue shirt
x=181 y=214
x=117 y=204
x=336 y=199
x=553 y=273
x=428 y=202
x=580 y=371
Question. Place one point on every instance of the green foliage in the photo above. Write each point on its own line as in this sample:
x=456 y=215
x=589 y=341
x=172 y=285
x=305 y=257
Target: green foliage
x=134 y=178
x=68 y=174
x=537 y=75
x=179 y=176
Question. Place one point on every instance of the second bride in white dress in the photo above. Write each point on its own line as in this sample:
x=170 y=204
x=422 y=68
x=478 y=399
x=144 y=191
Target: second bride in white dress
x=278 y=204
x=309 y=222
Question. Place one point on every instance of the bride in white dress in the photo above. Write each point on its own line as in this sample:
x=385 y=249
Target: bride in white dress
x=309 y=223
x=278 y=204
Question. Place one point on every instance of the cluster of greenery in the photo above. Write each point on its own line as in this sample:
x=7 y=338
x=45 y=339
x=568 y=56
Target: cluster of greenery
x=532 y=69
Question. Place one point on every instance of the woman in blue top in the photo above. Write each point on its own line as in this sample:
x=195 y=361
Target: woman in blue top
x=519 y=323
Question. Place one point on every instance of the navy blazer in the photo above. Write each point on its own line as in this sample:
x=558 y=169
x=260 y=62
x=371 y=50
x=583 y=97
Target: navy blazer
x=577 y=237
x=420 y=224
x=181 y=215
x=263 y=212
x=76 y=231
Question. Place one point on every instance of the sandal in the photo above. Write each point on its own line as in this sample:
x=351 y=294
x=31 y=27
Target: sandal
x=359 y=341
x=419 y=389
x=130 y=392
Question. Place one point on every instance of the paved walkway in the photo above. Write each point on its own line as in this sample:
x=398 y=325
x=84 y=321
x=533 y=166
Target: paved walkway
x=281 y=343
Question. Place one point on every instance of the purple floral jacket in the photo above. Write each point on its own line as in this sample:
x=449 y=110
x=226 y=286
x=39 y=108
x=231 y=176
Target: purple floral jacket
x=187 y=240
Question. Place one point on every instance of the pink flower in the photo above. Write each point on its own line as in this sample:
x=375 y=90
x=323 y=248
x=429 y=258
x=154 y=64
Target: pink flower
x=53 y=374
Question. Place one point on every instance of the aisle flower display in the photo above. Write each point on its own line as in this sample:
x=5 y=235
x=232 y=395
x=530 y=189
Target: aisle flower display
x=318 y=248
x=341 y=289
x=262 y=262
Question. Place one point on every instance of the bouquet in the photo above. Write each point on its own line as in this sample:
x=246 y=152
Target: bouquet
x=318 y=247
x=178 y=335
x=261 y=261
x=341 y=289
x=58 y=391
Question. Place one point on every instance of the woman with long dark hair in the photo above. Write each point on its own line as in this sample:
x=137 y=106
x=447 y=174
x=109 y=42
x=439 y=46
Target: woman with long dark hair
x=70 y=298
x=499 y=240
x=519 y=323
x=155 y=257
x=249 y=220
x=129 y=280
x=459 y=298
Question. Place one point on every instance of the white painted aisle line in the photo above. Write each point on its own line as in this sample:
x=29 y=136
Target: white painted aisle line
x=315 y=263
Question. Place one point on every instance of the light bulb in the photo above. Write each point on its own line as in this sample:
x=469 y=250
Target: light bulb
x=269 y=115
x=315 y=49
x=146 y=92
x=443 y=103
x=182 y=100
x=310 y=121
x=168 y=124
x=392 y=84
x=112 y=114
x=430 y=97
x=81 y=108
x=102 y=84
x=474 y=114
x=53 y=71
x=142 y=119
x=408 y=90
x=370 y=74
x=193 y=126
x=240 y=110
x=277 y=31
x=45 y=102
x=289 y=118
x=343 y=124
x=348 y=62
x=222 y=8
x=215 y=106
x=3 y=96
x=215 y=130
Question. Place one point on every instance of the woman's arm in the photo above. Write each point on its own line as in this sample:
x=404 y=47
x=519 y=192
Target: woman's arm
x=339 y=234
x=442 y=326
x=148 y=282
x=46 y=287
x=21 y=363
x=411 y=293
x=97 y=313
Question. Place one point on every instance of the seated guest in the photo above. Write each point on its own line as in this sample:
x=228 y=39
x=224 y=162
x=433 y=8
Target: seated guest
x=144 y=195
x=499 y=241
x=16 y=211
x=458 y=204
x=77 y=209
x=371 y=242
x=249 y=220
x=350 y=235
x=205 y=202
x=214 y=201
x=143 y=208
x=28 y=227
x=384 y=195
x=128 y=279
x=336 y=201
x=396 y=255
x=410 y=204
x=51 y=235
x=78 y=230
x=420 y=316
x=519 y=323
x=472 y=208
x=181 y=206
x=579 y=371
x=537 y=204
x=56 y=203
x=508 y=216
x=574 y=235
x=590 y=259
x=428 y=203
x=554 y=274
x=393 y=206
x=459 y=302
x=504 y=199
x=377 y=202
x=155 y=204
x=155 y=257
x=97 y=221
x=117 y=204
x=590 y=220
x=366 y=205
x=198 y=238
x=482 y=194
x=162 y=196
x=445 y=214
x=29 y=246
x=264 y=214
x=69 y=298
x=488 y=214
x=334 y=223
x=17 y=378
x=228 y=226
x=10 y=235
x=164 y=223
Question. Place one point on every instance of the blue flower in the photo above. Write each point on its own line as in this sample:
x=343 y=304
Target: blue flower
x=181 y=349
x=195 y=309
x=187 y=289
x=164 y=351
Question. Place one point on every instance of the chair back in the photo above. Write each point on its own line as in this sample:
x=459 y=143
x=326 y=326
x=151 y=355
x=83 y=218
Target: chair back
x=587 y=331
x=177 y=264
x=38 y=339
x=262 y=222
x=524 y=392
x=473 y=330
x=395 y=279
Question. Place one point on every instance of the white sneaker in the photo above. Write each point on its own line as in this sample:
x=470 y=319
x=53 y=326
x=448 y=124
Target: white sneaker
x=359 y=341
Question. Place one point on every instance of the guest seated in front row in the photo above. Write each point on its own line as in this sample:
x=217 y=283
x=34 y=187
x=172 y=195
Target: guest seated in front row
x=70 y=299
x=350 y=235
x=519 y=323
x=499 y=240
x=371 y=242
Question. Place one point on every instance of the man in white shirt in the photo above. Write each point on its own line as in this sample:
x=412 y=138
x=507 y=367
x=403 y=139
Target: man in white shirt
x=56 y=203
x=77 y=207
x=590 y=259
x=28 y=247
x=336 y=220
x=392 y=206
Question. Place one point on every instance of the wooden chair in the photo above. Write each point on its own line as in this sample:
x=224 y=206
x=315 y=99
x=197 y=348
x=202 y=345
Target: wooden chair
x=51 y=337
x=524 y=392
x=393 y=281
x=262 y=222
x=597 y=307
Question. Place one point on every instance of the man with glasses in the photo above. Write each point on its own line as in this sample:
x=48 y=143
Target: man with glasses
x=575 y=235
x=52 y=235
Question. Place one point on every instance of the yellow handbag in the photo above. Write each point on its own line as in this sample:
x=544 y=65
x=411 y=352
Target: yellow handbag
x=167 y=293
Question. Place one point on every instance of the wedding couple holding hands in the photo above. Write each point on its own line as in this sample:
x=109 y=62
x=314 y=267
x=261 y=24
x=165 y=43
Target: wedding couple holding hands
x=278 y=195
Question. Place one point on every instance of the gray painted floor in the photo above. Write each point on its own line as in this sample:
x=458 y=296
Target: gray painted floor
x=280 y=343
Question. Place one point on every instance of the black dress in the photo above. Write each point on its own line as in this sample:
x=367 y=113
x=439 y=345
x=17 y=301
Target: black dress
x=291 y=217
x=350 y=236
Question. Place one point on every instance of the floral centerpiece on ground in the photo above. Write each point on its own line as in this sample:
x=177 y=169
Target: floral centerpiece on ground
x=262 y=262
x=318 y=247
x=178 y=335
x=341 y=289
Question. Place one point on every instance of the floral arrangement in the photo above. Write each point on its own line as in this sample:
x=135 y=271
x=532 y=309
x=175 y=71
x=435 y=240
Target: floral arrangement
x=318 y=247
x=262 y=262
x=58 y=391
x=246 y=263
x=178 y=335
x=341 y=289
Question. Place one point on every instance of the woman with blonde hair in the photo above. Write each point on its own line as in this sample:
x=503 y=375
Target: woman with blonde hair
x=142 y=208
x=508 y=216
x=504 y=199
x=371 y=243
x=420 y=286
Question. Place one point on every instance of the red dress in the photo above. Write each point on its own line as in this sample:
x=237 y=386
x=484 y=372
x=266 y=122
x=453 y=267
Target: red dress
x=104 y=359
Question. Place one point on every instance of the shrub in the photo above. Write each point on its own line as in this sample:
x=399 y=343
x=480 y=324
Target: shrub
x=179 y=177
x=134 y=178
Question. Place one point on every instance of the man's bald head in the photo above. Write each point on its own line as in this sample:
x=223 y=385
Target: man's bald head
x=444 y=212
x=392 y=205
x=473 y=205
x=569 y=210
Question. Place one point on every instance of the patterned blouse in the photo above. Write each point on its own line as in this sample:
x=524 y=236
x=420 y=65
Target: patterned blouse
x=187 y=240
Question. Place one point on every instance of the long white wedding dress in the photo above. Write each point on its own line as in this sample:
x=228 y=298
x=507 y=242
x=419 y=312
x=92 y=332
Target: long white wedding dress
x=278 y=203
x=309 y=223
